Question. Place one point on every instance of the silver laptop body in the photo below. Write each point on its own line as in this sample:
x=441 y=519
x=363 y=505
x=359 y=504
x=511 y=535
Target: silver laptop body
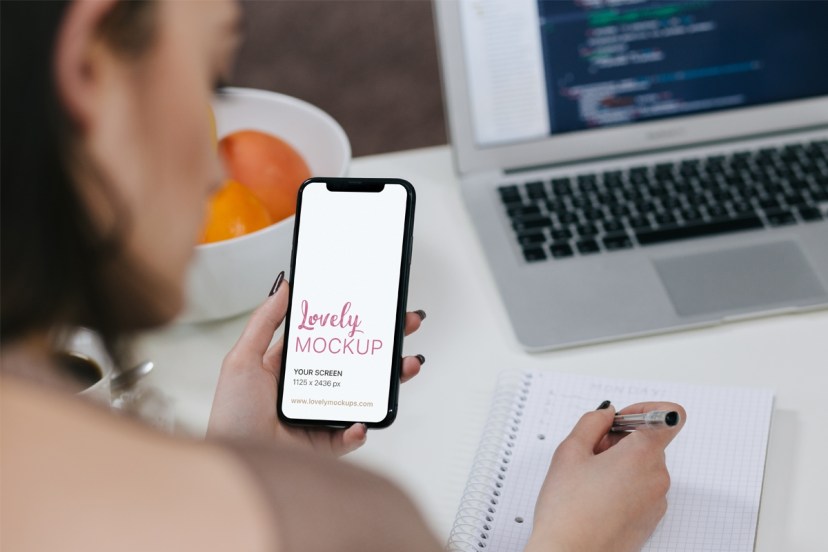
x=564 y=114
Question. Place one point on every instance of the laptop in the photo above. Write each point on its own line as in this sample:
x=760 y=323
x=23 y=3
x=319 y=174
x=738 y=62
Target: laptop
x=637 y=167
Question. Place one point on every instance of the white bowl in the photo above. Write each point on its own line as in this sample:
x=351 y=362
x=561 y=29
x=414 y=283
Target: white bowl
x=230 y=277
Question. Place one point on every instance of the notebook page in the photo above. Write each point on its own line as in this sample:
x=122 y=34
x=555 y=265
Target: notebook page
x=716 y=463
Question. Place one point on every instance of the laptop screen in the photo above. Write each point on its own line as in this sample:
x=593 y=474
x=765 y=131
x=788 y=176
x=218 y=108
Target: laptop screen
x=538 y=68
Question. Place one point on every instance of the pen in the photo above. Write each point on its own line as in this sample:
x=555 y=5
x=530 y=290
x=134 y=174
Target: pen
x=655 y=418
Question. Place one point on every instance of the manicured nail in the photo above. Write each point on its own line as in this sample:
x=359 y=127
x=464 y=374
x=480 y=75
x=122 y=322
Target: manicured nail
x=603 y=405
x=421 y=358
x=279 y=279
x=421 y=313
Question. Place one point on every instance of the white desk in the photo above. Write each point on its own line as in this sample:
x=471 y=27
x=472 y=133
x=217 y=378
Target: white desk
x=467 y=340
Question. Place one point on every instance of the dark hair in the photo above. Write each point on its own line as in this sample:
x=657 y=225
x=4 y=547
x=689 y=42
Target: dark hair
x=52 y=258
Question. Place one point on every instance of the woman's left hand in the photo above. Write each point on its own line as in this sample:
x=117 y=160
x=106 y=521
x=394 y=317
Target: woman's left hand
x=245 y=401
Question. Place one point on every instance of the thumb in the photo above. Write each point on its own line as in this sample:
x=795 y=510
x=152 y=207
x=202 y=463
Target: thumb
x=591 y=429
x=258 y=333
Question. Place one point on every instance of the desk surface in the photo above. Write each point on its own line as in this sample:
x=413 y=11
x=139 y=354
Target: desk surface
x=467 y=341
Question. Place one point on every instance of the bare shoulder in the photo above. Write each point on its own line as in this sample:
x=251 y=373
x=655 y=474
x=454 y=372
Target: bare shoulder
x=81 y=478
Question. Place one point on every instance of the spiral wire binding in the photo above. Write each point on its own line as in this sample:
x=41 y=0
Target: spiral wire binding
x=479 y=504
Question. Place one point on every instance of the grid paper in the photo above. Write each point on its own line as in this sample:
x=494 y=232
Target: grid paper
x=716 y=468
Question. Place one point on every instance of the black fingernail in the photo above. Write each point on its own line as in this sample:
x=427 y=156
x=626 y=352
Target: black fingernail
x=603 y=405
x=421 y=313
x=421 y=358
x=279 y=279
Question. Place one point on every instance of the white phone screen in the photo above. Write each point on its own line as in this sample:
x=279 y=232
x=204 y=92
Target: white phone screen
x=349 y=252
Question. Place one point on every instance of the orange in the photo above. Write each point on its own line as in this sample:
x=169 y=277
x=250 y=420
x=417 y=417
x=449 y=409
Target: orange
x=269 y=166
x=234 y=211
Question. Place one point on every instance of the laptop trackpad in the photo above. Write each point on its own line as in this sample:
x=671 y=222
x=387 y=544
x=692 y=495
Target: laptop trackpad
x=743 y=278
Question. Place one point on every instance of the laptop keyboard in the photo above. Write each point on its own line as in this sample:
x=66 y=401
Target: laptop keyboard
x=592 y=213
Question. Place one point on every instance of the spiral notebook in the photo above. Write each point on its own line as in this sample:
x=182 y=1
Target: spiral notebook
x=716 y=463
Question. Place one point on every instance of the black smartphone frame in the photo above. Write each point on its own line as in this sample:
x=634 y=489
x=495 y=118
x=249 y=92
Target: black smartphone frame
x=358 y=185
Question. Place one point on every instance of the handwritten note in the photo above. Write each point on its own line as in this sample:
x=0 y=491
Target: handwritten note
x=716 y=463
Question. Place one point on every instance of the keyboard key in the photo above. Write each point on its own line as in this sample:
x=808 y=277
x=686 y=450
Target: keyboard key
x=644 y=206
x=522 y=210
x=658 y=189
x=716 y=211
x=721 y=226
x=688 y=170
x=638 y=179
x=794 y=150
x=587 y=182
x=586 y=247
x=594 y=215
x=509 y=194
x=800 y=183
x=586 y=229
x=771 y=188
x=566 y=217
x=581 y=202
x=665 y=218
x=696 y=199
x=743 y=208
x=810 y=213
x=639 y=222
x=561 y=234
x=690 y=214
x=555 y=205
x=529 y=240
x=535 y=190
x=766 y=155
x=769 y=203
x=722 y=195
x=615 y=176
x=561 y=186
x=611 y=226
x=526 y=223
x=614 y=242
x=533 y=254
x=634 y=193
x=671 y=203
x=780 y=217
x=620 y=210
x=715 y=161
x=794 y=198
x=606 y=197
x=561 y=250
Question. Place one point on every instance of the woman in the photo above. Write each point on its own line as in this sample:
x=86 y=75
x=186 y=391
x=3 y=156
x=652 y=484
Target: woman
x=107 y=163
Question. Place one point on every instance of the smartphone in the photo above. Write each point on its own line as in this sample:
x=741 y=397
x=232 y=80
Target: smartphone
x=345 y=321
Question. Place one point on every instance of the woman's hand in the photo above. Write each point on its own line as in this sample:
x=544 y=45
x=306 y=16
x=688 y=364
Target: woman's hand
x=604 y=491
x=245 y=400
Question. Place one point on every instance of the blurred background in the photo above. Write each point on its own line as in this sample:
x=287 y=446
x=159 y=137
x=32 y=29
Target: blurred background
x=371 y=64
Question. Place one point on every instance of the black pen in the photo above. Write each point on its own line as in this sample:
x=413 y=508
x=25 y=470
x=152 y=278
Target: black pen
x=654 y=418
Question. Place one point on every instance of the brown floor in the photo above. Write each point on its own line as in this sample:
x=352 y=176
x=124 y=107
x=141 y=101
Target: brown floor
x=371 y=64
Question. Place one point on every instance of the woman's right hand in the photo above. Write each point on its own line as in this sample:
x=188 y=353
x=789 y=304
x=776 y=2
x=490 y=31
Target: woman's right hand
x=604 y=491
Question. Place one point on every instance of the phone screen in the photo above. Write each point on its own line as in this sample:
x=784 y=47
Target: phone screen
x=344 y=328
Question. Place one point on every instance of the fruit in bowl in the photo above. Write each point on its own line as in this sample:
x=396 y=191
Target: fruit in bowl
x=265 y=175
x=270 y=167
x=232 y=273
